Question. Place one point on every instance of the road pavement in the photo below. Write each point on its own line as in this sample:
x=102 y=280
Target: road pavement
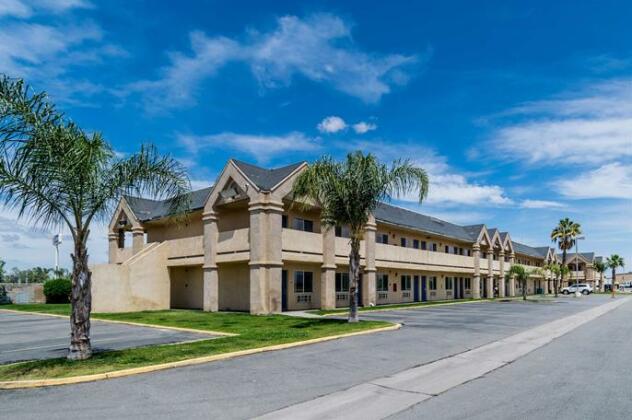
x=251 y=386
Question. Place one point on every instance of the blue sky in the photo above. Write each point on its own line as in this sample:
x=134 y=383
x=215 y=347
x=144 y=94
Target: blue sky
x=521 y=112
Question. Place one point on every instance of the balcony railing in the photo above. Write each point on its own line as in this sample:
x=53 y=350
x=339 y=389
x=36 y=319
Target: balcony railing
x=391 y=253
x=186 y=247
x=232 y=241
x=302 y=242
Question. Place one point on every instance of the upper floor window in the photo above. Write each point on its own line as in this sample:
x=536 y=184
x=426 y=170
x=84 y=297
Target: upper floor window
x=424 y=246
x=434 y=247
x=342 y=232
x=342 y=282
x=406 y=282
x=447 y=249
x=303 y=281
x=382 y=283
x=403 y=242
x=284 y=220
x=303 y=224
x=381 y=238
x=469 y=252
x=416 y=243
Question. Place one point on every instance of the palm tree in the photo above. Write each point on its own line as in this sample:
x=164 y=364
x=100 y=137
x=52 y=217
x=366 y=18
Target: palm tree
x=613 y=262
x=600 y=267
x=348 y=192
x=564 y=235
x=555 y=269
x=55 y=174
x=522 y=275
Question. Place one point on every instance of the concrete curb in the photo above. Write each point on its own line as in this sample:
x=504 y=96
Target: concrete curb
x=136 y=324
x=36 y=383
x=420 y=306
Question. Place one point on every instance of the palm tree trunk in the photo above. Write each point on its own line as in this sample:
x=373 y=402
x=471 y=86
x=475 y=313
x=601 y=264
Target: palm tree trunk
x=556 y=285
x=563 y=264
x=612 y=283
x=524 y=290
x=81 y=301
x=354 y=274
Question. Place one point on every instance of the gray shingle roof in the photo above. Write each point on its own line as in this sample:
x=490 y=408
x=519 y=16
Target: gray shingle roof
x=263 y=178
x=539 y=252
x=146 y=209
x=589 y=256
x=407 y=218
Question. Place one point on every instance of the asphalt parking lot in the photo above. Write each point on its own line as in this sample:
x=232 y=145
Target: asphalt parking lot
x=28 y=337
x=249 y=386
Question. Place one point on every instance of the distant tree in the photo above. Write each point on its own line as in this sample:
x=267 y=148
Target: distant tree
x=564 y=235
x=55 y=174
x=348 y=192
x=600 y=267
x=2 y=272
x=613 y=262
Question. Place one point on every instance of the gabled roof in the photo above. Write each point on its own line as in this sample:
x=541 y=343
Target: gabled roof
x=266 y=179
x=539 y=252
x=146 y=210
x=474 y=230
x=588 y=256
x=387 y=213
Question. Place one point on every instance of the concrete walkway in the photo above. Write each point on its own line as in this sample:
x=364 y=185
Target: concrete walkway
x=388 y=395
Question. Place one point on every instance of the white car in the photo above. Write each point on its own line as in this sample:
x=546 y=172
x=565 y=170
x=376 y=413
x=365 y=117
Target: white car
x=584 y=289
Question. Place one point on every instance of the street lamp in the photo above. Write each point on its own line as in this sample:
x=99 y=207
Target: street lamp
x=57 y=239
x=577 y=292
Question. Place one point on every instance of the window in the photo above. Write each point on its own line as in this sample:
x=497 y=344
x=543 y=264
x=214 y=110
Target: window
x=433 y=283
x=467 y=283
x=447 y=249
x=303 y=281
x=284 y=221
x=405 y=280
x=303 y=224
x=416 y=243
x=382 y=283
x=403 y=242
x=423 y=245
x=448 y=283
x=381 y=238
x=342 y=231
x=434 y=247
x=455 y=250
x=469 y=252
x=342 y=282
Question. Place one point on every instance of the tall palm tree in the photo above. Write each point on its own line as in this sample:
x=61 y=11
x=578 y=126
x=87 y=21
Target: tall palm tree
x=564 y=235
x=55 y=174
x=522 y=275
x=600 y=267
x=613 y=262
x=555 y=269
x=348 y=192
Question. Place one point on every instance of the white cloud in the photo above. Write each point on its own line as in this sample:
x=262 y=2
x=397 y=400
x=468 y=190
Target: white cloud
x=592 y=126
x=260 y=147
x=25 y=8
x=319 y=48
x=447 y=186
x=613 y=180
x=331 y=124
x=364 y=127
x=541 y=204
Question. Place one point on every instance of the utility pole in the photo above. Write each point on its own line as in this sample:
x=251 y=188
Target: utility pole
x=56 y=242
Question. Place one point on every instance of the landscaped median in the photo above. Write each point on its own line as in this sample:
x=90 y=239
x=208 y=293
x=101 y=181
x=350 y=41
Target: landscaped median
x=251 y=334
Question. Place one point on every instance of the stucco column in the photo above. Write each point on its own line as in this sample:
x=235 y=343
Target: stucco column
x=265 y=257
x=476 y=280
x=211 y=274
x=138 y=239
x=490 y=273
x=328 y=271
x=113 y=249
x=369 y=278
x=501 y=279
x=512 y=280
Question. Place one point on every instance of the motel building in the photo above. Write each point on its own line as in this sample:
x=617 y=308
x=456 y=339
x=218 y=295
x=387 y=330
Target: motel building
x=245 y=246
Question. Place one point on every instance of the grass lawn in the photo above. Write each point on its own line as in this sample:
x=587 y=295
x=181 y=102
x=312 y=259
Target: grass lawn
x=253 y=332
x=396 y=306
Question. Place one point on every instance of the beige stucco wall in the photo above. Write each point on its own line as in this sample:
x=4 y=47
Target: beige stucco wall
x=231 y=220
x=187 y=287
x=158 y=232
x=234 y=287
x=292 y=302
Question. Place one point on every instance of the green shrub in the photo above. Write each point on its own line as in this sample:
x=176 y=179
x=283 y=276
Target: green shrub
x=58 y=290
x=4 y=297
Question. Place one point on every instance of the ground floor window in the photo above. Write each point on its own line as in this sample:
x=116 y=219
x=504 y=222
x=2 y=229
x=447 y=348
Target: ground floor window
x=382 y=283
x=406 y=283
x=432 y=283
x=468 y=283
x=342 y=282
x=448 y=283
x=303 y=281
